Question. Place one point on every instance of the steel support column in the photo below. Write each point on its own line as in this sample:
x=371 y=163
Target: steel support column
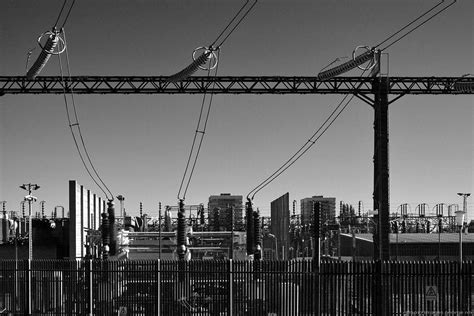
x=381 y=169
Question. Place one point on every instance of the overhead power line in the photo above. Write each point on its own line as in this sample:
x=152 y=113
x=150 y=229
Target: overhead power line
x=342 y=105
x=197 y=140
x=75 y=126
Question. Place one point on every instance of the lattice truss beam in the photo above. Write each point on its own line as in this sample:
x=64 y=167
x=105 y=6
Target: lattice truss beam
x=232 y=85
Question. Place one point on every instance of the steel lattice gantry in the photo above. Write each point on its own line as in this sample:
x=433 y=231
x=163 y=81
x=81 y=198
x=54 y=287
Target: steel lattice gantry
x=372 y=90
x=231 y=85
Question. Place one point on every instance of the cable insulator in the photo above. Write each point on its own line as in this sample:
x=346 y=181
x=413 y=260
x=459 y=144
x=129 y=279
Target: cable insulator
x=348 y=66
x=46 y=51
x=250 y=230
x=257 y=236
x=192 y=68
x=105 y=235
x=464 y=86
x=112 y=229
x=181 y=232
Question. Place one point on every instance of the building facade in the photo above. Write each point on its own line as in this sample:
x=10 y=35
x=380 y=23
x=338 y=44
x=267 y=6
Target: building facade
x=328 y=208
x=220 y=211
x=280 y=212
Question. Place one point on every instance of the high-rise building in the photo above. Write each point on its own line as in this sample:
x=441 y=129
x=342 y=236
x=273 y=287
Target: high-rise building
x=280 y=212
x=328 y=207
x=219 y=211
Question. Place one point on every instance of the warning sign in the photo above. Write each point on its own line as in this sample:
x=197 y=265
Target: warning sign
x=122 y=311
x=431 y=293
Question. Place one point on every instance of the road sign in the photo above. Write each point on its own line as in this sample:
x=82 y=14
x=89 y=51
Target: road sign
x=431 y=293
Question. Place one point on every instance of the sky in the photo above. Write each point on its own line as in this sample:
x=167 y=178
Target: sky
x=140 y=143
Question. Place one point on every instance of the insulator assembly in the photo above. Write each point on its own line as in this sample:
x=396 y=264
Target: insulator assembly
x=348 y=66
x=250 y=226
x=181 y=232
x=257 y=236
x=47 y=50
x=464 y=86
x=198 y=62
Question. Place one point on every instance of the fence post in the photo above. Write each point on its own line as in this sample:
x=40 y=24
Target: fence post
x=317 y=210
x=231 y=290
x=29 y=288
x=158 y=279
x=379 y=288
x=91 y=305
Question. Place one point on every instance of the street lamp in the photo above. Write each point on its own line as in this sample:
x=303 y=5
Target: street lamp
x=121 y=198
x=30 y=198
x=460 y=221
x=464 y=203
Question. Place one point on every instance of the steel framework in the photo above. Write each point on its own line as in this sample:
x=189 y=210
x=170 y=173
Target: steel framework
x=230 y=85
x=379 y=87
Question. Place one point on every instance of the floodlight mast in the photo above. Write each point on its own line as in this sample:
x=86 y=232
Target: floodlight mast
x=30 y=198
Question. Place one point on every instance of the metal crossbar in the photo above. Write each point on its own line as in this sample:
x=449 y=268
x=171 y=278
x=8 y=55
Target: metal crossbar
x=231 y=85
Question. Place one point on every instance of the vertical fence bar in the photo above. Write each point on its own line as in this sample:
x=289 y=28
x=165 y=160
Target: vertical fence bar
x=91 y=305
x=231 y=288
x=158 y=281
x=29 y=287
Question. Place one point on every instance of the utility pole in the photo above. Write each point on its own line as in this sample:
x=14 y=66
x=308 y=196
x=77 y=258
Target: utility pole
x=30 y=198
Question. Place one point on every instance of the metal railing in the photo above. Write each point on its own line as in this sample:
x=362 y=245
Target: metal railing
x=55 y=287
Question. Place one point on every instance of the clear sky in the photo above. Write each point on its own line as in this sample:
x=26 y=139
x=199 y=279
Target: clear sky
x=140 y=143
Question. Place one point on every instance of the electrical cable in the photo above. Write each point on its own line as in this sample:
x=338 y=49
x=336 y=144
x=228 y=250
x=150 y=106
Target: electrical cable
x=209 y=51
x=370 y=54
x=309 y=143
x=421 y=24
x=48 y=48
x=67 y=14
x=59 y=15
x=228 y=24
x=236 y=25
x=71 y=126
x=202 y=132
x=409 y=24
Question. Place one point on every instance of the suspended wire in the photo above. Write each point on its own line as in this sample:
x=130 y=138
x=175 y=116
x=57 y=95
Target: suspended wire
x=209 y=51
x=236 y=25
x=309 y=143
x=228 y=24
x=200 y=142
x=421 y=24
x=198 y=131
x=59 y=15
x=48 y=48
x=409 y=24
x=67 y=14
x=72 y=125
x=370 y=54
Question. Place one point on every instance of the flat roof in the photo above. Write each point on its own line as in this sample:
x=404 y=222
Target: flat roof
x=420 y=238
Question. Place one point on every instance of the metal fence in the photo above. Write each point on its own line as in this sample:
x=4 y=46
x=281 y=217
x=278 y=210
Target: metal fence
x=55 y=287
